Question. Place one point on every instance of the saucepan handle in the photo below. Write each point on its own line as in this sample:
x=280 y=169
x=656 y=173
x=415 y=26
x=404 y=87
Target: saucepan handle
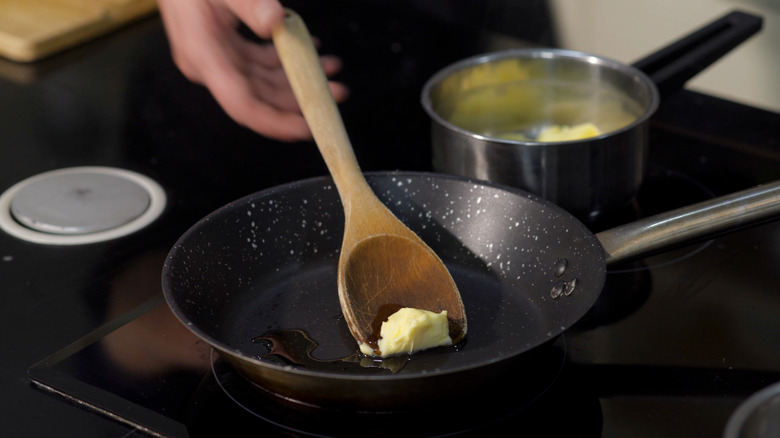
x=693 y=223
x=680 y=61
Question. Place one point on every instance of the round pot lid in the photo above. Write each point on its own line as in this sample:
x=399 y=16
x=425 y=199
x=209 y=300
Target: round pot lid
x=80 y=205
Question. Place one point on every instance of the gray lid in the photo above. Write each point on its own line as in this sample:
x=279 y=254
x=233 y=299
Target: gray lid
x=79 y=203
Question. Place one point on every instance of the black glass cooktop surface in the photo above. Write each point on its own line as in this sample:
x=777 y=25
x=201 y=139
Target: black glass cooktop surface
x=675 y=343
x=654 y=346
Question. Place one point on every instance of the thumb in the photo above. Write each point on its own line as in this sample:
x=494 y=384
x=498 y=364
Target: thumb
x=262 y=16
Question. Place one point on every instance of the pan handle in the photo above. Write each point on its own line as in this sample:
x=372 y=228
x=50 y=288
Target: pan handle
x=673 y=65
x=689 y=224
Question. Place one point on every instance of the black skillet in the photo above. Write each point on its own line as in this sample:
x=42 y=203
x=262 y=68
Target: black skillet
x=256 y=279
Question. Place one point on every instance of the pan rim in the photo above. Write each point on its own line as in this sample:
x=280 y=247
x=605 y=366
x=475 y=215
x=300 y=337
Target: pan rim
x=346 y=376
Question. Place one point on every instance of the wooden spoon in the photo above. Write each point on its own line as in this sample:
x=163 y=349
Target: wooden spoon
x=383 y=265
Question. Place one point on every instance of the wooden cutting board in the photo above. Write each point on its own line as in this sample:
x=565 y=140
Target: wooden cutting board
x=33 y=29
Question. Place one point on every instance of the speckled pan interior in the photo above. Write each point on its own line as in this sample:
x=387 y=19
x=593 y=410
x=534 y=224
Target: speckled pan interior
x=526 y=269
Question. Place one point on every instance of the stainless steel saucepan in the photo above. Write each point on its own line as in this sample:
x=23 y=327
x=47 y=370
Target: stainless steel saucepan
x=488 y=111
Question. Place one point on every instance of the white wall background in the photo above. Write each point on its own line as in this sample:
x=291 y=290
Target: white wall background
x=627 y=30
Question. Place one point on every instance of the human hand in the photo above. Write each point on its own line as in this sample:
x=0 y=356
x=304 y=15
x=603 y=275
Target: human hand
x=245 y=78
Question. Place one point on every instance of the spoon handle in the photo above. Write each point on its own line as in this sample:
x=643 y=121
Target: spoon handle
x=302 y=65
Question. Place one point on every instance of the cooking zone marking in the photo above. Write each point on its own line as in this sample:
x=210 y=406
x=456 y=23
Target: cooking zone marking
x=157 y=200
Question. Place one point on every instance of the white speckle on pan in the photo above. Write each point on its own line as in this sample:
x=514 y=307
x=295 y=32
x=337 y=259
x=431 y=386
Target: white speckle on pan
x=8 y=258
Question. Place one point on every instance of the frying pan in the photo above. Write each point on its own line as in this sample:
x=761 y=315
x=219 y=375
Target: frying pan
x=256 y=279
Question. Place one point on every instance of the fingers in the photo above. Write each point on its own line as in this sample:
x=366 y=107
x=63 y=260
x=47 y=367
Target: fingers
x=339 y=91
x=197 y=32
x=263 y=63
x=245 y=78
x=261 y=100
x=267 y=80
x=239 y=98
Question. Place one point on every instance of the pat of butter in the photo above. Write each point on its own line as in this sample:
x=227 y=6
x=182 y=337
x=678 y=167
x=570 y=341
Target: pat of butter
x=567 y=133
x=409 y=330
